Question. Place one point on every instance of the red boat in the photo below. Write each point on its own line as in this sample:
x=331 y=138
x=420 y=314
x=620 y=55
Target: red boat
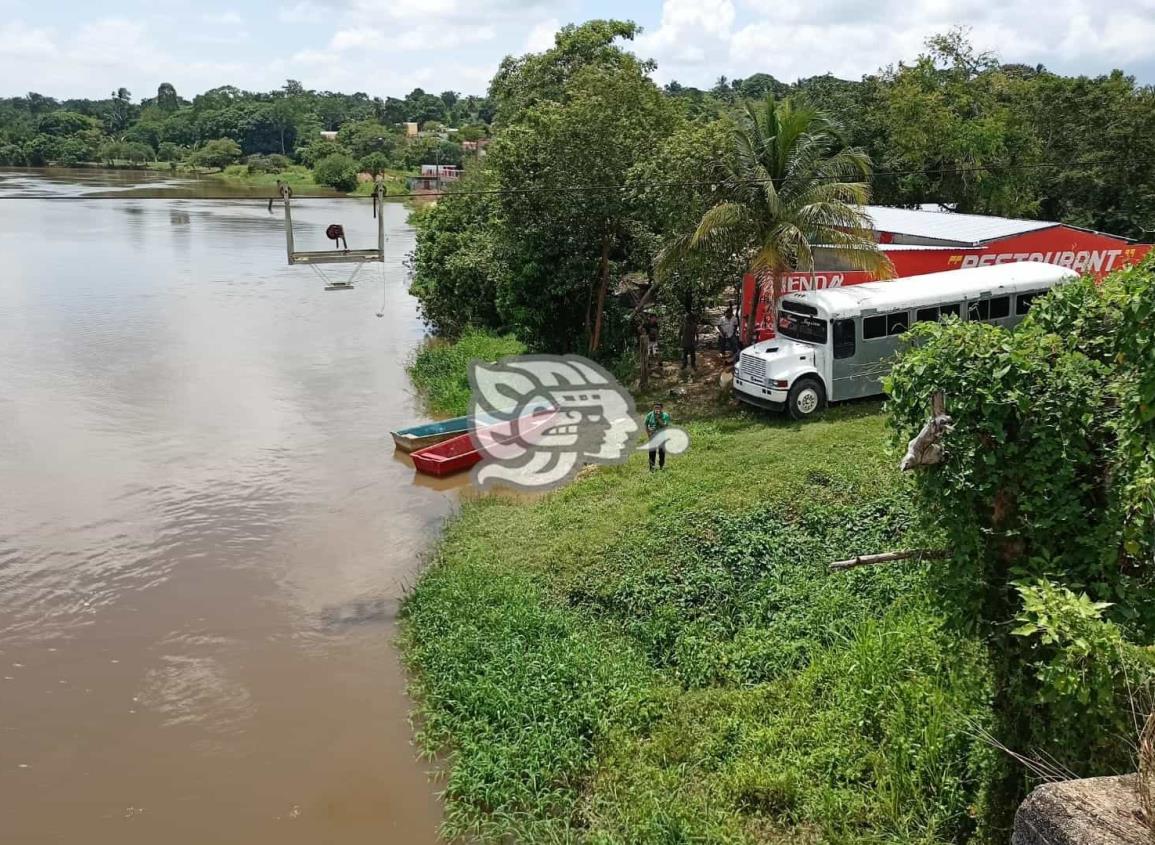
x=462 y=452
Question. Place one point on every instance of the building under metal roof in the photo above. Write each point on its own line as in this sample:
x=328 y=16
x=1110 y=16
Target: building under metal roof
x=907 y=226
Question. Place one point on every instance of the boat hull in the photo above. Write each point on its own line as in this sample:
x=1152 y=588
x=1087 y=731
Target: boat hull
x=421 y=436
x=463 y=452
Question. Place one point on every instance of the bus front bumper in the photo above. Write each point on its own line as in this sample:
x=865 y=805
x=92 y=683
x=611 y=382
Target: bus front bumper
x=758 y=396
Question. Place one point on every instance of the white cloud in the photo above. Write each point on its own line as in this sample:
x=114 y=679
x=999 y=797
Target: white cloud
x=385 y=47
x=696 y=42
x=691 y=33
x=305 y=12
x=99 y=57
x=19 y=39
x=541 y=37
x=229 y=18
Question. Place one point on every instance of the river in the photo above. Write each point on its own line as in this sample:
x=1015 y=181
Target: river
x=203 y=530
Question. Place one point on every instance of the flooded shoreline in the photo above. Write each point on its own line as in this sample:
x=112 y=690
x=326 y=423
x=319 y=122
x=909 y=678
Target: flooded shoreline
x=205 y=534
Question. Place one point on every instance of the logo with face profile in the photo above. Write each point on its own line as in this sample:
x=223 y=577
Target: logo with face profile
x=540 y=418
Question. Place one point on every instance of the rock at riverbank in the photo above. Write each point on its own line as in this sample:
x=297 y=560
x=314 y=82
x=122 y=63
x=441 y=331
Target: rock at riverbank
x=1103 y=811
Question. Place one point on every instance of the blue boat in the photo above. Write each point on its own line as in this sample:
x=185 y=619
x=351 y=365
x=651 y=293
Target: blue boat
x=419 y=436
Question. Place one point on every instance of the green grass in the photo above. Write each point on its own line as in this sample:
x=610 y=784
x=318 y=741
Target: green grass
x=301 y=179
x=438 y=369
x=663 y=657
x=396 y=184
x=298 y=176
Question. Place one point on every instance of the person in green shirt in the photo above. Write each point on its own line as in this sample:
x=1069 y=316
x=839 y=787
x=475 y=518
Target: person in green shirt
x=656 y=420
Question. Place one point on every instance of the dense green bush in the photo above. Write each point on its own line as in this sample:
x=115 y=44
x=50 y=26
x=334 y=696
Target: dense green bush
x=312 y=153
x=274 y=163
x=338 y=171
x=439 y=368
x=1048 y=476
x=217 y=154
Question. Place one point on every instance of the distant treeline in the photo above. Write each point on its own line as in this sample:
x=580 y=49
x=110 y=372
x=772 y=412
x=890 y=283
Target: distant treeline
x=36 y=130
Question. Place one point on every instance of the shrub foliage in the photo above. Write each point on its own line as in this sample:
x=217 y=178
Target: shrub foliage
x=1045 y=497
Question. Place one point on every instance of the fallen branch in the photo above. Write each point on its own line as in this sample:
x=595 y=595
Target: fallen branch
x=868 y=560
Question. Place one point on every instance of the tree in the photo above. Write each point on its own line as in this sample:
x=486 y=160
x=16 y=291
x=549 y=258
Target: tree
x=672 y=192
x=790 y=186
x=316 y=150
x=63 y=123
x=166 y=98
x=947 y=130
x=429 y=150
x=564 y=246
x=219 y=154
x=537 y=77
x=338 y=171
x=374 y=164
x=456 y=267
x=121 y=111
x=362 y=137
x=168 y=151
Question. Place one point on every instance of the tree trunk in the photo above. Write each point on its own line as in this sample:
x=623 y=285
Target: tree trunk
x=603 y=283
x=643 y=358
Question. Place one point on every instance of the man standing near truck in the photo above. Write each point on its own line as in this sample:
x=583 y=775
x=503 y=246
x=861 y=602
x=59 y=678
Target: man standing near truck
x=728 y=333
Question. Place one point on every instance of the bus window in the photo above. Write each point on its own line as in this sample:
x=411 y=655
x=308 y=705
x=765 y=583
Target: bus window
x=843 y=338
x=808 y=329
x=980 y=310
x=926 y=315
x=1023 y=303
x=954 y=310
x=873 y=327
x=1000 y=307
x=897 y=323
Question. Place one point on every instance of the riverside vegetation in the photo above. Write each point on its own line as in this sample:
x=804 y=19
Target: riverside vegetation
x=665 y=658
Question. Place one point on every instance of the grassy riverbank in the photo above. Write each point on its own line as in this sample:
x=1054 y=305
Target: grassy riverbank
x=663 y=657
x=439 y=370
x=301 y=180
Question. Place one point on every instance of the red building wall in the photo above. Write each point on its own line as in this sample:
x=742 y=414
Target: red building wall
x=1084 y=252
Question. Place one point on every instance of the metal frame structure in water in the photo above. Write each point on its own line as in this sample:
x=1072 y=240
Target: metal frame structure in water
x=356 y=257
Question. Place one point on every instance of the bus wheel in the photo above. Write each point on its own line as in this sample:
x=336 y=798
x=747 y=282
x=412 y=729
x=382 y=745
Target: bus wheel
x=806 y=398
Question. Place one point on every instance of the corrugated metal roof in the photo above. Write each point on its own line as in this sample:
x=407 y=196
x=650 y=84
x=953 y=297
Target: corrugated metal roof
x=964 y=229
x=923 y=248
x=915 y=291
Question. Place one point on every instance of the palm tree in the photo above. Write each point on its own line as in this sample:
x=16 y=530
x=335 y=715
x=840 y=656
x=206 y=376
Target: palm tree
x=789 y=186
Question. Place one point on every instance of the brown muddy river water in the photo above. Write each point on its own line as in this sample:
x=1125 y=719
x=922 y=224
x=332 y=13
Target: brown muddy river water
x=203 y=530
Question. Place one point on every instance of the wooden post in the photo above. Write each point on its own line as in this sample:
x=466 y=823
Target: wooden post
x=379 y=190
x=286 y=193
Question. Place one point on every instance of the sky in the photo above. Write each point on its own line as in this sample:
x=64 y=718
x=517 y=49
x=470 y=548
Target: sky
x=78 y=48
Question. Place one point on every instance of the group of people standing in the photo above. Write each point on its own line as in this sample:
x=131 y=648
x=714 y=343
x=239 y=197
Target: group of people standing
x=729 y=342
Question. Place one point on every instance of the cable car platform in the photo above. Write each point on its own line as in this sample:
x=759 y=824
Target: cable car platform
x=336 y=256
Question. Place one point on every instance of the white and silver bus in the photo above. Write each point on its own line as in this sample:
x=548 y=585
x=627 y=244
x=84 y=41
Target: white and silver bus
x=839 y=343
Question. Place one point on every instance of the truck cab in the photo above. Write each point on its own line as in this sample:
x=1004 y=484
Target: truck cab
x=792 y=370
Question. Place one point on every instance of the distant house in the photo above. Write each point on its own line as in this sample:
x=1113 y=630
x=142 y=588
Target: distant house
x=410 y=130
x=477 y=146
x=434 y=176
x=329 y=136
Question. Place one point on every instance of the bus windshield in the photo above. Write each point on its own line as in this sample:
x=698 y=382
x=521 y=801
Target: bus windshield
x=801 y=327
